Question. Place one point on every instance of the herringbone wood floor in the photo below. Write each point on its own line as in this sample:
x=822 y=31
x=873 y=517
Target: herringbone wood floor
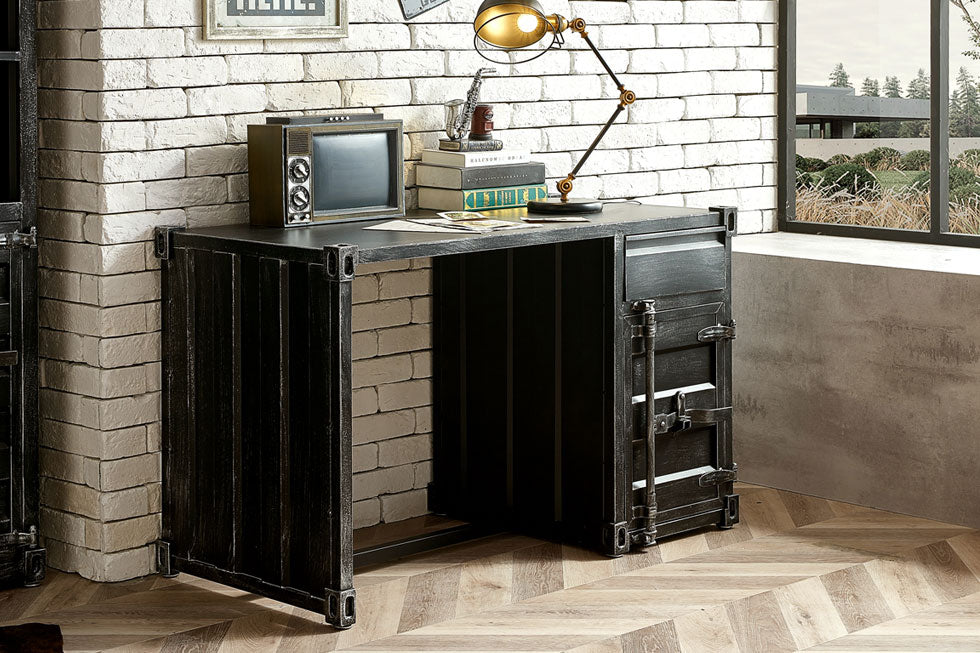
x=798 y=573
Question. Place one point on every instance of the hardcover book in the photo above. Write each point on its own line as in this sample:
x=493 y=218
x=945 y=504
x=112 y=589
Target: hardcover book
x=467 y=145
x=515 y=174
x=481 y=199
x=474 y=159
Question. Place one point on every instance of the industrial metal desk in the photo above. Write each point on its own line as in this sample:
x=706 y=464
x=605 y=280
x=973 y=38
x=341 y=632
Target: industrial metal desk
x=547 y=344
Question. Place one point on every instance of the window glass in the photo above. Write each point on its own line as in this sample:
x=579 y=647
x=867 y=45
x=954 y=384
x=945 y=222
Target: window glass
x=863 y=112
x=964 y=117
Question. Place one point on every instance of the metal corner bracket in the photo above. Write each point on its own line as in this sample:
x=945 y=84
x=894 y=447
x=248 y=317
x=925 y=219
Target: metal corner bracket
x=163 y=241
x=615 y=539
x=340 y=262
x=730 y=516
x=729 y=214
x=165 y=560
x=339 y=607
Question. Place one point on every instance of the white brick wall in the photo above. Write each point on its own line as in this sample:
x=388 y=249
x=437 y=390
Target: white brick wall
x=143 y=124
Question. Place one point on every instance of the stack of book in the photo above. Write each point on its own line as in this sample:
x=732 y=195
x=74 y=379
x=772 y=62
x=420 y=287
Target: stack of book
x=478 y=181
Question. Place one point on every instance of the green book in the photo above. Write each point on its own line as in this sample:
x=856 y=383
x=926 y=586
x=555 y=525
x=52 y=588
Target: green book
x=510 y=197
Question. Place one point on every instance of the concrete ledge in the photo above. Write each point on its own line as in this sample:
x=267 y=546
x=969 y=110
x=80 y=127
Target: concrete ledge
x=863 y=251
x=857 y=371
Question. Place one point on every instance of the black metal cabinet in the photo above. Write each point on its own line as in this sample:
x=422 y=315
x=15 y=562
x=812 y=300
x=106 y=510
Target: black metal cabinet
x=21 y=559
x=543 y=344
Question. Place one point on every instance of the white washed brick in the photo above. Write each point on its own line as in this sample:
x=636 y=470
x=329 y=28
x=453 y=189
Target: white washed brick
x=710 y=106
x=167 y=13
x=196 y=46
x=414 y=64
x=710 y=59
x=342 y=65
x=736 y=176
x=631 y=184
x=249 y=68
x=113 y=167
x=383 y=481
x=651 y=11
x=736 y=81
x=382 y=426
x=371 y=93
x=186 y=71
x=406 y=505
x=132 y=43
x=226 y=99
x=182 y=193
x=617 y=36
x=757 y=58
x=681 y=84
x=661 y=60
x=680 y=181
x=657 y=158
x=304 y=96
x=711 y=11
x=756 y=11
x=666 y=110
x=144 y=104
x=682 y=36
x=186 y=132
x=737 y=34
x=735 y=129
x=686 y=131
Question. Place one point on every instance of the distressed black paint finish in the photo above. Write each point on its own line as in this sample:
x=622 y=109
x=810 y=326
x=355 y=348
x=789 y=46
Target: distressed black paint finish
x=22 y=561
x=539 y=400
x=257 y=425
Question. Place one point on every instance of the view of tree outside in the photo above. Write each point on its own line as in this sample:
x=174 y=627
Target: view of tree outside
x=863 y=130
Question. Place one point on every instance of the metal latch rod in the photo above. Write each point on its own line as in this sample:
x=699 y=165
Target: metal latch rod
x=649 y=334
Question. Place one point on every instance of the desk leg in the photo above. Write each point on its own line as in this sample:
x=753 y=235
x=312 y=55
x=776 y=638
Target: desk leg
x=339 y=599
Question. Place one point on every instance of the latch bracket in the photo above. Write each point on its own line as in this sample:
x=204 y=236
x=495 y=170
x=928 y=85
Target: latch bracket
x=688 y=417
x=18 y=239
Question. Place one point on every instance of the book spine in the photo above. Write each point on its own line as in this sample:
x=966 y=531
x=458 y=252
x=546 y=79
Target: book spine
x=502 y=198
x=498 y=176
x=466 y=145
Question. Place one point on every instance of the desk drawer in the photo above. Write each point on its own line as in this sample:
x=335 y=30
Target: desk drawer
x=675 y=263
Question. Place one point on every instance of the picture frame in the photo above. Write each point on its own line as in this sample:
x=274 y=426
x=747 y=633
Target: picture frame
x=274 y=19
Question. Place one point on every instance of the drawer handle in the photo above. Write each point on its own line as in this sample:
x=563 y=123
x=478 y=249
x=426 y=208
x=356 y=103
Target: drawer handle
x=717 y=477
x=717 y=333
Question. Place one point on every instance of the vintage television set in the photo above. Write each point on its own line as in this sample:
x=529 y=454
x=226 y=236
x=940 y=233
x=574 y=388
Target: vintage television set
x=311 y=170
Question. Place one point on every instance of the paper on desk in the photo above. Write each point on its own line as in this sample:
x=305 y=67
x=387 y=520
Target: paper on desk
x=434 y=225
x=405 y=225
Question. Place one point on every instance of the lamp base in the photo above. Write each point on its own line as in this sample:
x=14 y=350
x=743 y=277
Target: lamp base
x=569 y=206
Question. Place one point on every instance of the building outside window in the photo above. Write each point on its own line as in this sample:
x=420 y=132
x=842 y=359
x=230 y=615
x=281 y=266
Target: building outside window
x=880 y=124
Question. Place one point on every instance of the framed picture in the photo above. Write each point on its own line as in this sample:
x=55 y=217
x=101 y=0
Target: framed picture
x=275 y=19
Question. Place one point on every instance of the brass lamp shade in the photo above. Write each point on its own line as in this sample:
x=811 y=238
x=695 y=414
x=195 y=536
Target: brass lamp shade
x=511 y=23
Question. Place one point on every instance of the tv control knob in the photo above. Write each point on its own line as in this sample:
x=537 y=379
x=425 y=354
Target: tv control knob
x=299 y=171
x=299 y=198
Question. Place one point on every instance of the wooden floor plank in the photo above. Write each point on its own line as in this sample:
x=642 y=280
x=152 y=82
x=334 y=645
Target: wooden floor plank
x=797 y=572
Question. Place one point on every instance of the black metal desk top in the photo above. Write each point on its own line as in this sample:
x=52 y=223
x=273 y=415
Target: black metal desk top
x=308 y=243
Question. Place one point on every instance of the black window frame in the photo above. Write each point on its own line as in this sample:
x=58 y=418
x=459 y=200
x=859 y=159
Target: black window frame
x=939 y=232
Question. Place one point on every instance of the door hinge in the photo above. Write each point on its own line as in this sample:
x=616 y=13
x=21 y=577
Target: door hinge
x=718 y=476
x=16 y=239
x=688 y=417
x=717 y=332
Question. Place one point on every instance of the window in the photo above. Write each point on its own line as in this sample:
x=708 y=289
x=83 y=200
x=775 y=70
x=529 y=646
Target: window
x=879 y=119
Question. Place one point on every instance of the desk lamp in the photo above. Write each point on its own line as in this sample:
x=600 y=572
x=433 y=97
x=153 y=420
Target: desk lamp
x=509 y=25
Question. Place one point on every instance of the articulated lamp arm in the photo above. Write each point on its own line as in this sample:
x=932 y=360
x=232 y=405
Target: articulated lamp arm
x=626 y=98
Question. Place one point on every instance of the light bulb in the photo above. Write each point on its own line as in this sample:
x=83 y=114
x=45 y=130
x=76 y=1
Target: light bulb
x=527 y=23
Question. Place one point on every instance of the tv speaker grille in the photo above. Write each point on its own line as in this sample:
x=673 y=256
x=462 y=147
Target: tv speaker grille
x=299 y=142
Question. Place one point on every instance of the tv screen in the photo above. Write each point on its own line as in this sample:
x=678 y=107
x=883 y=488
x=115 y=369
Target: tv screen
x=351 y=171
